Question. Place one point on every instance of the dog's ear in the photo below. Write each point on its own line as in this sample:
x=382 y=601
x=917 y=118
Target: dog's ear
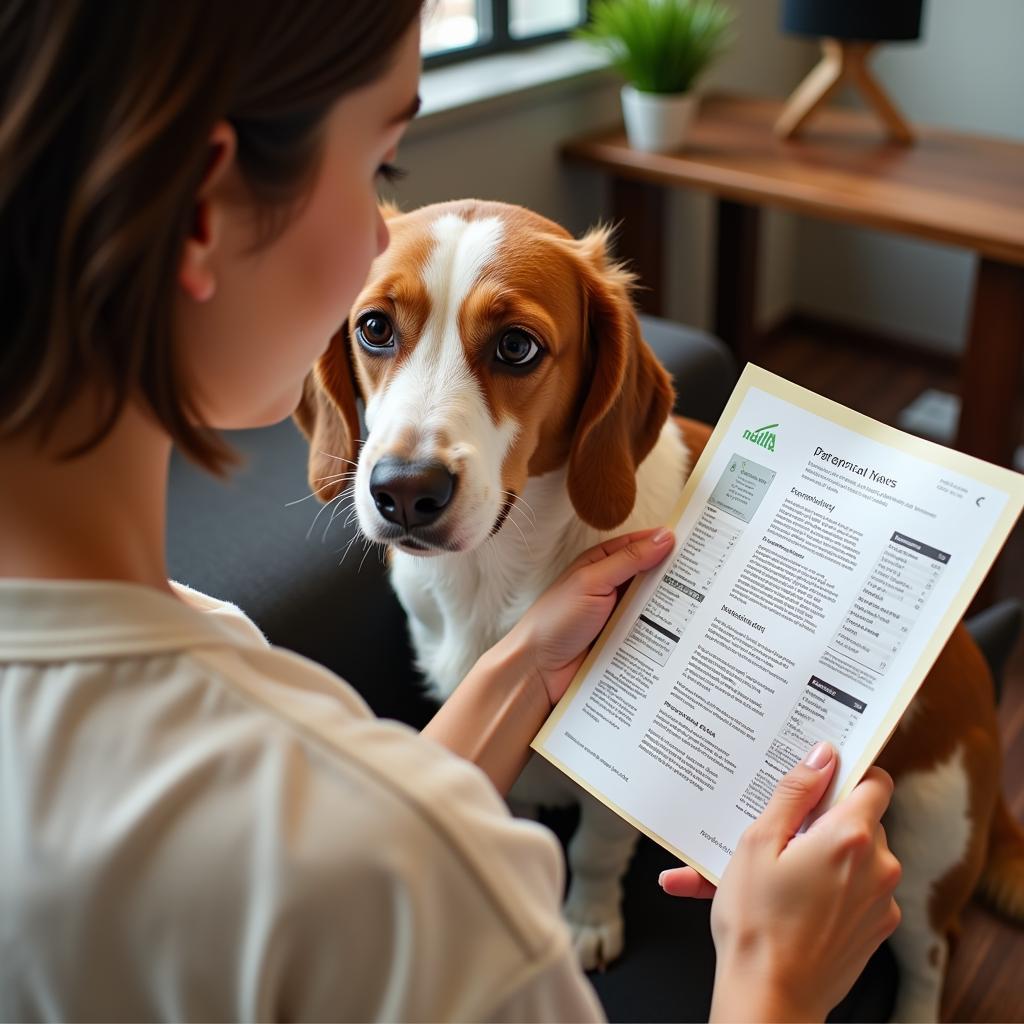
x=628 y=393
x=328 y=416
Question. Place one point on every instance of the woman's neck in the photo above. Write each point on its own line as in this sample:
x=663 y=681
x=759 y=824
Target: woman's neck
x=99 y=516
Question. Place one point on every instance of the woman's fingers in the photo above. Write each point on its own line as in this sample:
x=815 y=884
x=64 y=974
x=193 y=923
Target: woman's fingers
x=607 y=548
x=686 y=882
x=872 y=795
x=798 y=792
x=620 y=560
x=866 y=804
x=610 y=546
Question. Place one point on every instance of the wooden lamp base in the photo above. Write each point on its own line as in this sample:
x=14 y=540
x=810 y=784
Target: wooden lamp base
x=842 y=60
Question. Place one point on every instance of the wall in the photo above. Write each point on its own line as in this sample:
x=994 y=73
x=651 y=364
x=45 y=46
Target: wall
x=966 y=74
x=511 y=154
x=762 y=61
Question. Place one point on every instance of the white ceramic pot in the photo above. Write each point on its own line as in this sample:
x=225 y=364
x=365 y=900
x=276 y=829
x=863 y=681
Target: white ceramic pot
x=657 y=122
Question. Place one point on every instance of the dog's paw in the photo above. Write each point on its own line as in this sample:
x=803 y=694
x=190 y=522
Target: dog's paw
x=596 y=926
x=597 y=945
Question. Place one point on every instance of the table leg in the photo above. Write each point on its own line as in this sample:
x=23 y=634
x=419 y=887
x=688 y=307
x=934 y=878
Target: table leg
x=736 y=277
x=990 y=375
x=639 y=213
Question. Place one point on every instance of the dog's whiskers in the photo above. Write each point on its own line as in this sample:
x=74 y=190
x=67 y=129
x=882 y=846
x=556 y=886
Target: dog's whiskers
x=348 y=547
x=369 y=547
x=519 y=500
x=328 y=481
x=320 y=512
x=521 y=534
x=349 y=475
x=339 y=509
x=338 y=457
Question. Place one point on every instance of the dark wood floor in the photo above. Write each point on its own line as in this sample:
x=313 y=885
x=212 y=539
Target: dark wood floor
x=986 y=976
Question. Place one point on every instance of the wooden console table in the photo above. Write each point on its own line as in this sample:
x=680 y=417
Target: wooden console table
x=955 y=189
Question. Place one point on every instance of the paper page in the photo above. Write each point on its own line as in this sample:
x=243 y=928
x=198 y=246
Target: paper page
x=822 y=559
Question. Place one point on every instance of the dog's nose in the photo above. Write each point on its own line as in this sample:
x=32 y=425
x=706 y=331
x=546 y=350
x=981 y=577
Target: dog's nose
x=411 y=493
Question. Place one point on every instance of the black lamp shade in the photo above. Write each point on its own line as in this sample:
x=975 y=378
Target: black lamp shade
x=853 y=19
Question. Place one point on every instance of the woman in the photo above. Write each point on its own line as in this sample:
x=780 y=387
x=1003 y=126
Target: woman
x=195 y=824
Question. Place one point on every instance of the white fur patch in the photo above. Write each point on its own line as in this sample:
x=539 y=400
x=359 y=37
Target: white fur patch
x=461 y=604
x=929 y=828
x=436 y=394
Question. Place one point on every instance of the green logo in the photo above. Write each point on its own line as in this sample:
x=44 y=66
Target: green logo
x=762 y=436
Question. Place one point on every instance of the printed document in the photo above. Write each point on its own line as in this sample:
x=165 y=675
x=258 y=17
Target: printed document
x=822 y=560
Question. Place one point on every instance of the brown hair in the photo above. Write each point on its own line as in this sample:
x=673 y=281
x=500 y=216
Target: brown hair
x=105 y=116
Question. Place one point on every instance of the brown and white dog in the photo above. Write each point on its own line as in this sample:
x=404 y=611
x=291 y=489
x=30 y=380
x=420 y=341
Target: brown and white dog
x=515 y=417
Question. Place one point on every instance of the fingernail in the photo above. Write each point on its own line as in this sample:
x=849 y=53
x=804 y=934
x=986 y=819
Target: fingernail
x=820 y=755
x=661 y=536
x=661 y=879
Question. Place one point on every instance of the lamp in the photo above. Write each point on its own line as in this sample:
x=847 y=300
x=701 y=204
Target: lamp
x=850 y=30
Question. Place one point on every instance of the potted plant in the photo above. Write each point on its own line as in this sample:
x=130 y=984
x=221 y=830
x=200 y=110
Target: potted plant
x=660 y=47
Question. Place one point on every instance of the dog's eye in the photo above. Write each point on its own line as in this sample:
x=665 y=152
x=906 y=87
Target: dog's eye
x=374 y=330
x=517 y=348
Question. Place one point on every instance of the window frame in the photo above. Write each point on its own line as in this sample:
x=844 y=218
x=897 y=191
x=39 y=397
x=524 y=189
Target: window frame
x=495 y=25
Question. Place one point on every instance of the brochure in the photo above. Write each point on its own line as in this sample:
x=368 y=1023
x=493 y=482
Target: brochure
x=822 y=560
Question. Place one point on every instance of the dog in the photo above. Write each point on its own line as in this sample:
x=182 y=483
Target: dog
x=515 y=417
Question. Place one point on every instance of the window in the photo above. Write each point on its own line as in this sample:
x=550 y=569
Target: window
x=530 y=18
x=451 y=25
x=459 y=29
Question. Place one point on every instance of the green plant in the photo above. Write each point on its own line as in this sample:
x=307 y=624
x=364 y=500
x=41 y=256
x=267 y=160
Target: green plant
x=660 y=45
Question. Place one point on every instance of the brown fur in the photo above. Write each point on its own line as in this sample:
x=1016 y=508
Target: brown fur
x=328 y=416
x=628 y=399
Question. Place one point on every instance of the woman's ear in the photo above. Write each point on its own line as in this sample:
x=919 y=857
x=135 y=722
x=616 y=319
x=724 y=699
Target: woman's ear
x=329 y=417
x=196 y=272
x=628 y=394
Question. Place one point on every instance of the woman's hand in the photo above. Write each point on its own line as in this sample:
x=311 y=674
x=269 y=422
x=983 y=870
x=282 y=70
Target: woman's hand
x=557 y=631
x=797 y=917
x=497 y=709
